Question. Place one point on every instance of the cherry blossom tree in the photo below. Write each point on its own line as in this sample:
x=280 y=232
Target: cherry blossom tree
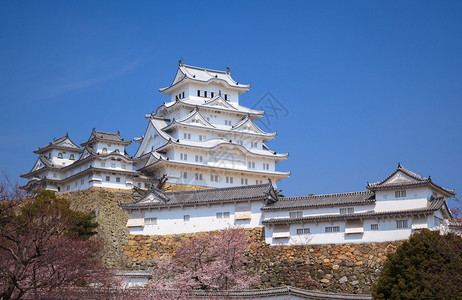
x=44 y=245
x=210 y=261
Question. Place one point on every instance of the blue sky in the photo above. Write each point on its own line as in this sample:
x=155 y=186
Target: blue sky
x=366 y=84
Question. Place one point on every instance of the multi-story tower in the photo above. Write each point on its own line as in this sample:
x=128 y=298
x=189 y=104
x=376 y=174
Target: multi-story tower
x=62 y=166
x=204 y=137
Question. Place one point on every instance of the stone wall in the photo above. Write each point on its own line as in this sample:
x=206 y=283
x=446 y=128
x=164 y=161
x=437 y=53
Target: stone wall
x=347 y=268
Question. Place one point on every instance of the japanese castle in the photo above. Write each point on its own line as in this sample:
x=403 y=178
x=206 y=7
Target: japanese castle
x=207 y=145
x=202 y=137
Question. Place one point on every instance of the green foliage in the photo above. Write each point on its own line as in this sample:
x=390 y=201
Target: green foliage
x=45 y=202
x=427 y=266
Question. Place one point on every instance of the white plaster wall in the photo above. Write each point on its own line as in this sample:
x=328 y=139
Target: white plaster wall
x=319 y=211
x=415 y=198
x=98 y=147
x=202 y=218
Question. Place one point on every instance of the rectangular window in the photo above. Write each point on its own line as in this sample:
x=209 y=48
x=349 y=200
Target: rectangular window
x=183 y=156
x=258 y=181
x=374 y=226
x=112 y=165
x=329 y=229
x=103 y=164
x=226 y=215
x=295 y=214
x=199 y=158
x=226 y=96
x=229 y=179
x=347 y=210
x=400 y=224
x=254 y=144
x=219 y=215
x=187 y=136
x=228 y=122
x=117 y=179
x=186 y=218
x=123 y=166
x=265 y=166
x=198 y=93
x=301 y=231
x=108 y=178
x=214 y=178
x=400 y=194
x=211 y=93
x=81 y=181
x=205 y=94
x=150 y=221
x=198 y=176
x=244 y=181
x=182 y=95
x=251 y=164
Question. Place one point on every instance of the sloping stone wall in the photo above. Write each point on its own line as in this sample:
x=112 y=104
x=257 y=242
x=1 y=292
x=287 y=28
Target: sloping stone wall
x=348 y=268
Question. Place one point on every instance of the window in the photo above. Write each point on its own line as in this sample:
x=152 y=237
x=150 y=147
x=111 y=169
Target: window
x=150 y=221
x=205 y=94
x=374 y=226
x=226 y=96
x=258 y=181
x=219 y=215
x=296 y=214
x=265 y=166
x=182 y=95
x=347 y=210
x=60 y=155
x=400 y=194
x=112 y=165
x=199 y=158
x=254 y=144
x=108 y=178
x=55 y=175
x=438 y=221
x=198 y=176
x=117 y=151
x=81 y=181
x=400 y=224
x=240 y=142
x=214 y=178
x=329 y=229
x=251 y=164
x=103 y=164
x=186 y=218
x=198 y=93
x=228 y=122
x=68 y=187
x=185 y=175
x=301 y=231
x=104 y=150
x=187 y=136
x=244 y=181
x=117 y=179
x=71 y=157
x=229 y=179
x=49 y=155
x=123 y=166
x=211 y=94
x=183 y=156
x=226 y=215
x=202 y=137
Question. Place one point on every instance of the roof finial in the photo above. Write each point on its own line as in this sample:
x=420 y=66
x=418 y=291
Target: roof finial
x=118 y=132
x=94 y=128
x=180 y=62
x=67 y=134
x=399 y=165
x=219 y=92
x=227 y=69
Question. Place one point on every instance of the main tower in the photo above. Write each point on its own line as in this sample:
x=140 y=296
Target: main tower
x=204 y=137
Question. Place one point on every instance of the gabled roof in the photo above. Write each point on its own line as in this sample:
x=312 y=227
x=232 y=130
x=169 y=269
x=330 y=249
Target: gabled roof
x=432 y=206
x=330 y=200
x=246 y=124
x=194 y=118
x=193 y=102
x=63 y=143
x=108 y=137
x=403 y=177
x=157 y=198
x=218 y=101
x=200 y=75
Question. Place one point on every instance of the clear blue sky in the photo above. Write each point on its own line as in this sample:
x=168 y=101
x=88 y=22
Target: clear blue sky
x=367 y=84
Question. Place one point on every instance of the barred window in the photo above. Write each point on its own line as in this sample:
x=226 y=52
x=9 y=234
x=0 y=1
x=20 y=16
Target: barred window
x=400 y=194
x=295 y=214
x=301 y=231
x=329 y=229
x=400 y=224
x=374 y=226
x=150 y=221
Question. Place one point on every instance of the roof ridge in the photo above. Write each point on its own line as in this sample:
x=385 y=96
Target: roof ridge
x=204 y=69
x=327 y=195
x=221 y=189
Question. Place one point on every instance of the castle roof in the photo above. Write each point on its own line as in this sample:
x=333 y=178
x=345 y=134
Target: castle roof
x=158 y=198
x=108 y=137
x=63 y=143
x=311 y=201
x=402 y=178
x=200 y=75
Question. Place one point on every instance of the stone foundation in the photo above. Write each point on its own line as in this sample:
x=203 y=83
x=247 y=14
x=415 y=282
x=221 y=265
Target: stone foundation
x=346 y=268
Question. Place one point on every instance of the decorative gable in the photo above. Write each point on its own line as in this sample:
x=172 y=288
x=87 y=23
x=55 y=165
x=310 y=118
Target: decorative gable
x=195 y=118
x=218 y=101
x=399 y=177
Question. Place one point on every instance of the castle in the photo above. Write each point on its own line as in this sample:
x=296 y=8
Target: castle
x=203 y=137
